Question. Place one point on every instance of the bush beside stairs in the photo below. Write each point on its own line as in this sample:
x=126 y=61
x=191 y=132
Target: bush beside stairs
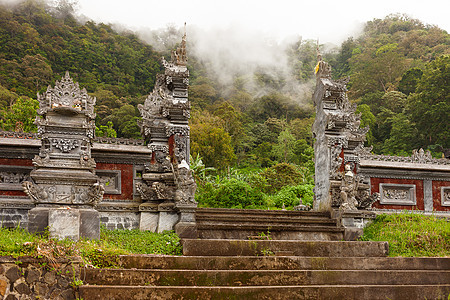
x=234 y=259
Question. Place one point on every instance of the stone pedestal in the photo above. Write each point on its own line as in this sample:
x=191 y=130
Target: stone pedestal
x=186 y=227
x=353 y=222
x=64 y=223
x=61 y=222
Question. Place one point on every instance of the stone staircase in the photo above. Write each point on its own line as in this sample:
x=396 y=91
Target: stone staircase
x=222 y=223
x=225 y=264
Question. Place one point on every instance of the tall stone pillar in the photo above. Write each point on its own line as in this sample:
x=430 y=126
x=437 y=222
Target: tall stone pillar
x=338 y=144
x=64 y=186
x=168 y=188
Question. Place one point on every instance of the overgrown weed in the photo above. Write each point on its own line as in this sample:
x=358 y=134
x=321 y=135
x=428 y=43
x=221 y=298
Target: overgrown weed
x=411 y=234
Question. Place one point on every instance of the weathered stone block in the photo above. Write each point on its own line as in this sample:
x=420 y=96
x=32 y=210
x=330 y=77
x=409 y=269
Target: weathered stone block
x=167 y=221
x=186 y=230
x=89 y=224
x=149 y=221
x=37 y=220
x=64 y=223
x=12 y=274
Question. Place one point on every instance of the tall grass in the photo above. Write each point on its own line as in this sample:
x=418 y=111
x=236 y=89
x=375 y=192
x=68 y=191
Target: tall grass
x=411 y=234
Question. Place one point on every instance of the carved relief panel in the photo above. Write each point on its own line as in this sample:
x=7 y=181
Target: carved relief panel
x=397 y=194
x=445 y=196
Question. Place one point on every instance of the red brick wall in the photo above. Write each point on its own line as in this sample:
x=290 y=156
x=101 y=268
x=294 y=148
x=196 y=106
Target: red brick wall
x=15 y=162
x=437 y=195
x=375 y=184
x=126 y=180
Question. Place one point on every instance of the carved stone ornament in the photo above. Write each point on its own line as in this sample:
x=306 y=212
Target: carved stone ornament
x=445 y=196
x=348 y=190
x=186 y=186
x=146 y=192
x=66 y=96
x=418 y=156
x=64 y=145
x=397 y=194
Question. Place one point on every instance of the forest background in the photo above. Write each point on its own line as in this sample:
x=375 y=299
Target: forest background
x=251 y=140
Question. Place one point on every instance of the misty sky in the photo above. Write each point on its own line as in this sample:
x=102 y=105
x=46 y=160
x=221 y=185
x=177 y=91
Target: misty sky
x=330 y=21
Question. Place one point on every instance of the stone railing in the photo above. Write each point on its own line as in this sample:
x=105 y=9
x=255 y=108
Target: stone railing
x=119 y=141
x=418 y=157
x=18 y=135
x=100 y=140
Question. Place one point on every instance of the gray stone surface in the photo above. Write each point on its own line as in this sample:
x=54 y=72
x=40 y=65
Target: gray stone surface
x=64 y=223
x=167 y=221
x=37 y=219
x=89 y=224
x=149 y=221
x=120 y=220
x=338 y=142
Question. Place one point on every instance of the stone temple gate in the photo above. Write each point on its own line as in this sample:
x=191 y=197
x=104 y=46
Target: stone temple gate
x=67 y=179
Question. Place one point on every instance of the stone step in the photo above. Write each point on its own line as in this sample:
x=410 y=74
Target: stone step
x=282 y=263
x=275 y=232
x=266 y=221
x=219 y=223
x=393 y=292
x=200 y=212
x=141 y=277
x=217 y=247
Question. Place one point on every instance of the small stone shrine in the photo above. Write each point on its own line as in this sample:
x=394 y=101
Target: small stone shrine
x=168 y=186
x=64 y=187
x=339 y=140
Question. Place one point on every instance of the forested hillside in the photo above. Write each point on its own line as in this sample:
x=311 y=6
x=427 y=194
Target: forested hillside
x=255 y=128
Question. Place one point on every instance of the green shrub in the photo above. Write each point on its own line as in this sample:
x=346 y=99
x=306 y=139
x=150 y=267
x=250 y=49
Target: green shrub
x=411 y=234
x=231 y=193
x=281 y=175
x=294 y=195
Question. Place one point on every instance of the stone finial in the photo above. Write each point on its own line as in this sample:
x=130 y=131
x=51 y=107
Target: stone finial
x=323 y=69
x=66 y=97
x=179 y=56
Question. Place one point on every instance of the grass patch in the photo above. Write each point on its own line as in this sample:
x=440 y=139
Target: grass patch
x=411 y=234
x=98 y=253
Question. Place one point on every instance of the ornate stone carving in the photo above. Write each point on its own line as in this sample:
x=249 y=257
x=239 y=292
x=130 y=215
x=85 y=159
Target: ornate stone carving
x=34 y=192
x=397 y=194
x=418 y=156
x=65 y=145
x=95 y=194
x=145 y=192
x=66 y=96
x=119 y=141
x=64 y=169
x=445 y=196
x=348 y=190
x=18 y=135
x=185 y=183
x=180 y=150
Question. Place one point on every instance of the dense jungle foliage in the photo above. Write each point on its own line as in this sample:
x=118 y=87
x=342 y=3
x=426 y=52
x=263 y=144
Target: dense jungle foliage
x=249 y=137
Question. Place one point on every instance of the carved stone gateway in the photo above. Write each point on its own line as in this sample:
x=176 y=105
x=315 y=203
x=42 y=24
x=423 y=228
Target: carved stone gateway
x=168 y=186
x=64 y=177
x=339 y=142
